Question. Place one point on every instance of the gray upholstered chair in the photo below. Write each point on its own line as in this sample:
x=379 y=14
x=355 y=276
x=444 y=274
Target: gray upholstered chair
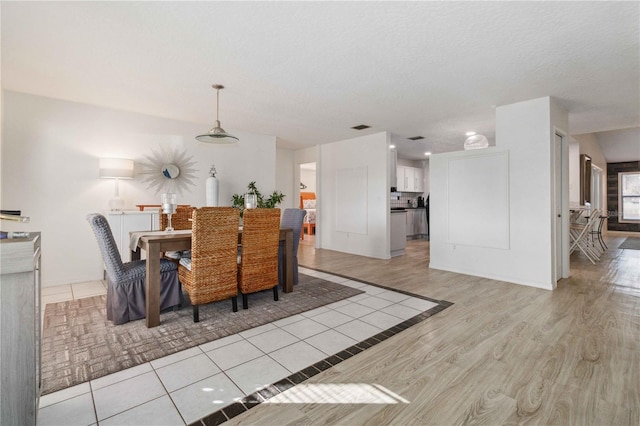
x=126 y=281
x=291 y=218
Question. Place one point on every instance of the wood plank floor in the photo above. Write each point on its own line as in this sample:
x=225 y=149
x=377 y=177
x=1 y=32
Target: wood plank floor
x=503 y=354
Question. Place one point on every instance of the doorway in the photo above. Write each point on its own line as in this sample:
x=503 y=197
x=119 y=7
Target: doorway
x=597 y=176
x=308 y=199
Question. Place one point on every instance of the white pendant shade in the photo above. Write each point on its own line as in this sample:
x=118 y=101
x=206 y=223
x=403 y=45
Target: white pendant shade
x=217 y=134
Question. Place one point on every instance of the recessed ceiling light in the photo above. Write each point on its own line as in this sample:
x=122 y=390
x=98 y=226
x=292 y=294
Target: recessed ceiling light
x=470 y=133
x=392 y=146
x=427 y=153
x=415 y=138
x=360 y=127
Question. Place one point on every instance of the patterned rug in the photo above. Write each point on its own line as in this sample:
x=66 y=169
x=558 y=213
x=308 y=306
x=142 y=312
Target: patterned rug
x=80 y=344
x=631 y=243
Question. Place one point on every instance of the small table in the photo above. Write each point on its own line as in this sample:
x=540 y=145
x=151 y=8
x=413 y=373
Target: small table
x=154 y=244
x=144 y=206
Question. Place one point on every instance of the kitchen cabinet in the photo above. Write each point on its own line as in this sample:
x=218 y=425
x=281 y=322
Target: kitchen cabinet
x=416 y=223
x=418 y=180
x=20 y=339
x=400 y=178
x=123 y=222
x=398 y=232
x=410 y=179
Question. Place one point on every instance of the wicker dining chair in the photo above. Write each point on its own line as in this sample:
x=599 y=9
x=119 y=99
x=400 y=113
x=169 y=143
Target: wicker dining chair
x=211 y=272
x=181 y=219
x=258 y=267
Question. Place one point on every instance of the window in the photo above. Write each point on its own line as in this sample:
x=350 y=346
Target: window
x=629 y=198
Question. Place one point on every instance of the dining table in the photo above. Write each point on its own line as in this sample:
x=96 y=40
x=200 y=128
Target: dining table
x=155 y=242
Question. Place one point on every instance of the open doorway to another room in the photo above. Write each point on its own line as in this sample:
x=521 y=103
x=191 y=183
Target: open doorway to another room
x=308 y=201
x=597 y=190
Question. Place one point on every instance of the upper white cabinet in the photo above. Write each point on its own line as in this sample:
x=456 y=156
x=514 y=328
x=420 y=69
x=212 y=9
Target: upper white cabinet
x=123 y=222
x=410 y=179
x=400 y=178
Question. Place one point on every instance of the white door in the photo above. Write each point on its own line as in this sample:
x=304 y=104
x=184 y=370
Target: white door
x=558 y=206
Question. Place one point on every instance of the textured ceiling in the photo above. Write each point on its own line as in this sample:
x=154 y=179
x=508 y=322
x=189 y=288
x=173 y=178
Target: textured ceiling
x=308 y=71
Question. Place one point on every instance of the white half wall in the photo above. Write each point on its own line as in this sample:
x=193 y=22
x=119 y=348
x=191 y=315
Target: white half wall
x=526 y=131
x=358 y=164
x=50 y=153
x=285 y=181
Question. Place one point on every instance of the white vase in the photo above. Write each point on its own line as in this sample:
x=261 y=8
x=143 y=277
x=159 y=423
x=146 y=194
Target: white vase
x=212 y=191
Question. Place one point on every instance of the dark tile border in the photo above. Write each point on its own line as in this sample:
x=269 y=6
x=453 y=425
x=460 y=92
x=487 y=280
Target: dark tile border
x=274 y=389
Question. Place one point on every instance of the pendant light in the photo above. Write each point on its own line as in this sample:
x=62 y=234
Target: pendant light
x=217 y=134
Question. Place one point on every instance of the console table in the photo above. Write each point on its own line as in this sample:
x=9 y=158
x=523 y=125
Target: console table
x=20 y=328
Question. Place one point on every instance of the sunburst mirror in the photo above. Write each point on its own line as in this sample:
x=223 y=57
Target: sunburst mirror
x=168 y=170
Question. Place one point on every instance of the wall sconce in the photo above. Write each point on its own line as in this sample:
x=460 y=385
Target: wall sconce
x=116 y=168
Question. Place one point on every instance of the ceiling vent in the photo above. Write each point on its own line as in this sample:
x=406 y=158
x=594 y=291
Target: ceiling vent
x=360 y=127
x=415 y=138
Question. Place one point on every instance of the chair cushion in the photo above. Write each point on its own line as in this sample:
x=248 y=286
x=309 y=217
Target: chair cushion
x=311 y=216
x=186 y=262
x=177 y=254
x=137 y=269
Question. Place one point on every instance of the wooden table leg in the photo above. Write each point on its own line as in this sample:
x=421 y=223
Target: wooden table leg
x=152 y=285
x=288 y=251
x=135 y=255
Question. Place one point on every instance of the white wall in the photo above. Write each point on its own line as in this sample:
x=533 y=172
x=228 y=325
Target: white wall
x=367 y=152
x=50 y=171
x=589 y=146
x=574 y=171
x=308 y=177
x=619 y=146
x=526 y=131
x=285 y=181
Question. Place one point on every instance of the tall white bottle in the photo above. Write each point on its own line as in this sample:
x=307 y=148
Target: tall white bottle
x=211 y=187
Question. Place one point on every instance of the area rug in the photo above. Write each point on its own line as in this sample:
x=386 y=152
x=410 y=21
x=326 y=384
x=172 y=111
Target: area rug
x=79 y=343
x=631 y=243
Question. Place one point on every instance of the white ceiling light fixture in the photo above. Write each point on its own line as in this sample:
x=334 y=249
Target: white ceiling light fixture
x=427 y=153
x=471 y=133
x=392 y=146
x=217 y=134
x=476 y=142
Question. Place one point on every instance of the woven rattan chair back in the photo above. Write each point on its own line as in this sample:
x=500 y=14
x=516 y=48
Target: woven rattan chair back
x=214 y=245
x=258 y=269
x=181 y=219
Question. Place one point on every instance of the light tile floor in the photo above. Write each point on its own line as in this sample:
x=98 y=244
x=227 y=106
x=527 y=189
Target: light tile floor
x=189 y=385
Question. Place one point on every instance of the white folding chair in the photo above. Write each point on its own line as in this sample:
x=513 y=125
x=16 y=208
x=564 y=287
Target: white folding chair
x=579 y=237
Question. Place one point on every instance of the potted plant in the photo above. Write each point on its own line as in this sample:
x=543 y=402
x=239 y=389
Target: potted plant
x=270 y=202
